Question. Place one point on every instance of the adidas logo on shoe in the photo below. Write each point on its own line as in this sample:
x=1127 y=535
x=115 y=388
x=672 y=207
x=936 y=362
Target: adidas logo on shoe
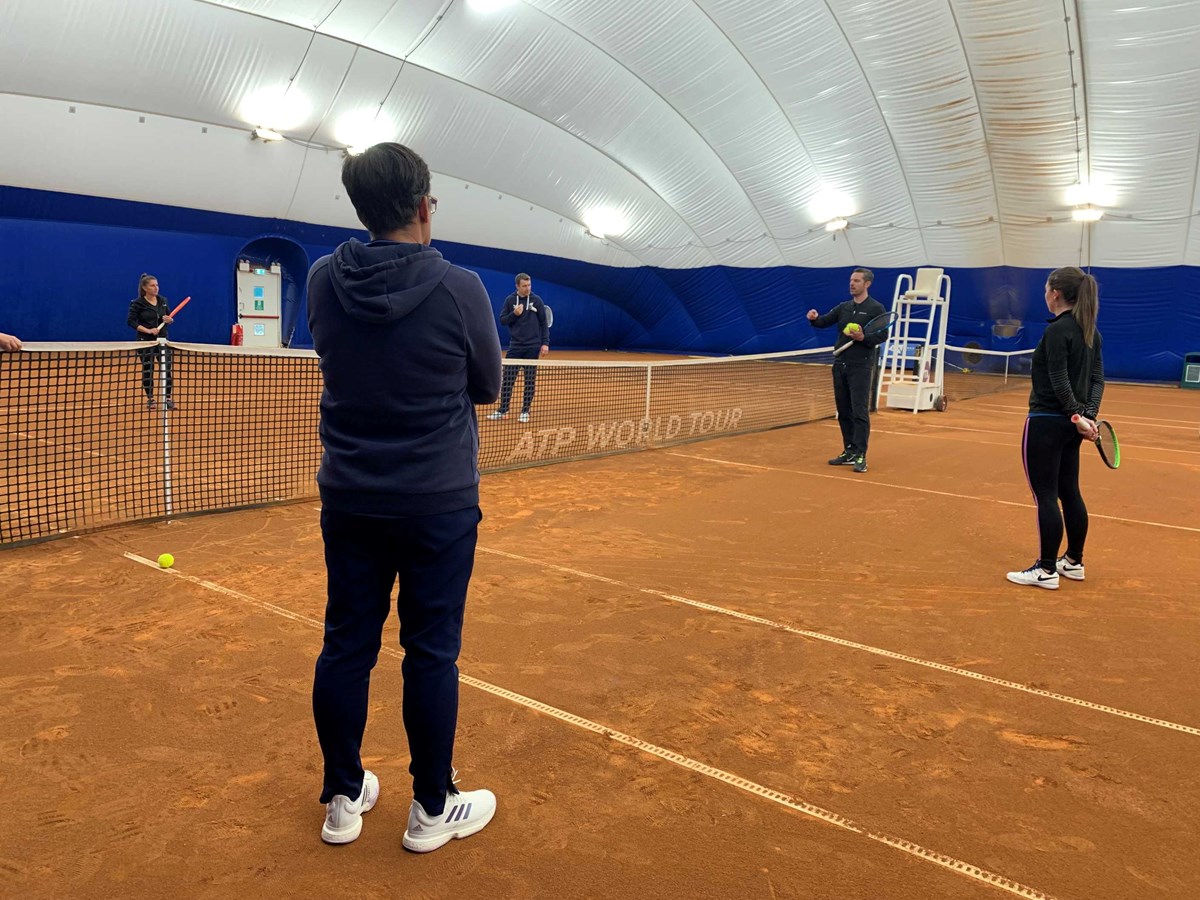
x=464 y=815
x=343 y=816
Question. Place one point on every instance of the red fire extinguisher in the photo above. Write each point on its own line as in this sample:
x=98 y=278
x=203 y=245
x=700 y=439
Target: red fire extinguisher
x=235 y=336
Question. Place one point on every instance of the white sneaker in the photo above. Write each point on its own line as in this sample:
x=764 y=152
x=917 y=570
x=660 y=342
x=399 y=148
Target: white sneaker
x=1068 y=569
x=524 y=417
x=343 y=816
x=497 y=415
x=1037 y=576
x=465 y=814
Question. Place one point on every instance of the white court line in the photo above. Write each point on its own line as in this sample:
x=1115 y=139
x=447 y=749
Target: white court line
x=1188 y=407
x=76 y=447
x=905 y=487
x=953 y=437
x=866 y=648
x=1139 y=421
x=954 y=865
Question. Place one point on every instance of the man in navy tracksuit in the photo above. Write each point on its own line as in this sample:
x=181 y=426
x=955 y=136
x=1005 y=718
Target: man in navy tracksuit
x=524 y=315
x=853 y=370
x=408 y=347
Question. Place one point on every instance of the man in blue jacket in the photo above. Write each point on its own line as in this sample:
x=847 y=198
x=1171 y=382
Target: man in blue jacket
x=524 y=315
x=407 y=347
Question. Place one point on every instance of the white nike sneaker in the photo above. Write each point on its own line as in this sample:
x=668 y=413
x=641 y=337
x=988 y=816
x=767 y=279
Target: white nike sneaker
x=343 y=816
x=523 y=417
x=1071 y=570
x=464 y=815
x=1036 y=576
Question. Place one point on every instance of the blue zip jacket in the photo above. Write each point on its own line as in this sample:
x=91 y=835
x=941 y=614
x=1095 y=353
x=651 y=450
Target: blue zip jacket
x=408 y=346
x=529 y=330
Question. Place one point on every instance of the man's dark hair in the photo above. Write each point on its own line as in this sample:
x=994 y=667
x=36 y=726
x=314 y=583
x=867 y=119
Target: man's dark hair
x=867 y=274
x=521 y=276
x=385 y=183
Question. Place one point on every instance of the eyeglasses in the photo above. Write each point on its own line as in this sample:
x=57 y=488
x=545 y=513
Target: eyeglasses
x=432 y=203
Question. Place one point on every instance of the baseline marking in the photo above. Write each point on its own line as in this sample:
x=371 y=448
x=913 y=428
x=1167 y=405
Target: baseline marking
x=957 y=866
x=1142 y=421
x=866 y=648
x=905 y=487
x=954 y=437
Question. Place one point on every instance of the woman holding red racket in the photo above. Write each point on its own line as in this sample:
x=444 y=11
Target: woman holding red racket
x=149 y=316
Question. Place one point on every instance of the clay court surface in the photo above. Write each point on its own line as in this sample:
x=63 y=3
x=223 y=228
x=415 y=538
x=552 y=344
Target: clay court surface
x=859 y=707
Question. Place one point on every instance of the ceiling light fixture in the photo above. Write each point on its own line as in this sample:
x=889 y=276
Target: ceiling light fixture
x=838 y=224
x=266 y=135
x=280 y=108
x=604 y=222
x=1087 y=214
x=830 y=204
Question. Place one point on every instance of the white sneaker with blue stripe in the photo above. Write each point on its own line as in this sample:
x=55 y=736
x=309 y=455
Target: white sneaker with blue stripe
x=464 y=815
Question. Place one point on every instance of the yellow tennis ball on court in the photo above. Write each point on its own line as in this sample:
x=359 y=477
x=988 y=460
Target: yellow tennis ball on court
x=166 y=560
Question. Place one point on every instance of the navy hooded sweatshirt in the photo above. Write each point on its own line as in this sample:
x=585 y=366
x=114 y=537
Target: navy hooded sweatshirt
x=407 y=346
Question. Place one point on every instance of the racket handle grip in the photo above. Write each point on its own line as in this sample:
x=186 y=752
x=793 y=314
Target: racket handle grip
x=1075 y=418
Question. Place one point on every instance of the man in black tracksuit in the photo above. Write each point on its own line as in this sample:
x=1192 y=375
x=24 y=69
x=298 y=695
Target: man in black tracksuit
x=529 y=338
x=853 y=370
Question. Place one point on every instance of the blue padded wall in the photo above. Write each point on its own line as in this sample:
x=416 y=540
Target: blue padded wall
x=69 y=266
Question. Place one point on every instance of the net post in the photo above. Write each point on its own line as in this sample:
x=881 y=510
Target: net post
x=164 y=375
x=649 y=378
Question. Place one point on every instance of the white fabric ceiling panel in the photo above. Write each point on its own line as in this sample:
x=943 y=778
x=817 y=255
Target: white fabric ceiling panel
x=913 y=60
x=541 y=66
x=1048 y=244
x=1144 y=116
x=1021 y=65
x=1125 y=244
x=710 y=125
x=802 y=57
x=107 y=152
x=682 y=55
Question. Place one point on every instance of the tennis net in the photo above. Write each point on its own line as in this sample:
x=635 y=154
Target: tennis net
x=974 y=372
x=96 y=435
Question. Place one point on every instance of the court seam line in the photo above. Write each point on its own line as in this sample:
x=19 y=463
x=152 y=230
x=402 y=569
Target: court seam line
x=75 y=448
x=950 y=863
x=954 y=437
x=1136 y=421
x=1107 y=401
x=866 y=648
x=905 y=487
x=1010 y=434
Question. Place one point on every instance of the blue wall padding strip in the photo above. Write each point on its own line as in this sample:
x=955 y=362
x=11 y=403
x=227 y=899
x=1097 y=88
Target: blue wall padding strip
x=69 y=266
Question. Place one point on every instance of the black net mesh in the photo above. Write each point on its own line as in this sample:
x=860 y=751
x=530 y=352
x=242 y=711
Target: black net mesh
x=100 y=435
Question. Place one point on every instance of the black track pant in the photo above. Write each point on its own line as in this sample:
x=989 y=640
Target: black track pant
x=852 y=393
x=1050 y=452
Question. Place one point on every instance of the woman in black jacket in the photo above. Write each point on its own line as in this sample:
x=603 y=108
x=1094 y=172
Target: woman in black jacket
x=1068 y=380
x=148 y=316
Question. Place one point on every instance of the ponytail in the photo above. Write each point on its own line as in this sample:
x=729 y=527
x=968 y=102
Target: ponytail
x=1080 y=290
x=1087 y=305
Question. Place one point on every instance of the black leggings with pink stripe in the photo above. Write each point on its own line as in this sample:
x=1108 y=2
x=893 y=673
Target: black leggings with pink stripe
x=1050 y=451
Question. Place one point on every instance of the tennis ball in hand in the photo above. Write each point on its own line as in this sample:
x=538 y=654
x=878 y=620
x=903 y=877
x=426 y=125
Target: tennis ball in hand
x=851 y=328
x=166 y=560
